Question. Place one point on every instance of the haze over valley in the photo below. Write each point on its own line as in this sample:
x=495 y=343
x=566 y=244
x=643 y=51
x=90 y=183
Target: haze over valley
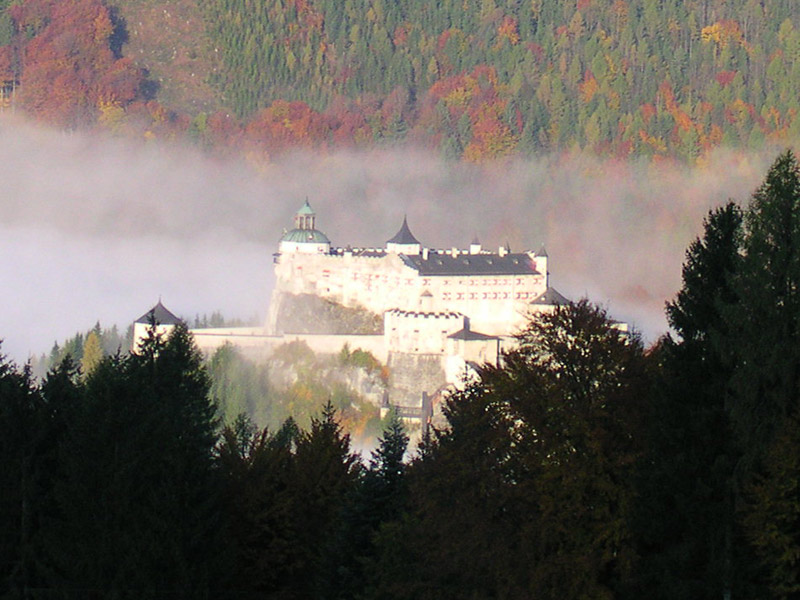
x=96 y=227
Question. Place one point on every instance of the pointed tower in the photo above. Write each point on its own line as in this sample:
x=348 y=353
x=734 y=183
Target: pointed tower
x=404 y=241
x=305 y=237
x=159 y=317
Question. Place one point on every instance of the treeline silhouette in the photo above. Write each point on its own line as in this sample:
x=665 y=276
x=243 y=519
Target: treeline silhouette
x=584 y=466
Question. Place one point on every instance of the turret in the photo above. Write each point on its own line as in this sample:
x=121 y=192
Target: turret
x=305 y=237
x=158 y=317
x=475 y=246
x=404 y=241
x=540 y=260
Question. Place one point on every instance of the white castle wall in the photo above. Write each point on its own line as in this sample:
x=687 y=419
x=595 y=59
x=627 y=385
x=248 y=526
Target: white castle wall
x=420 y=332
x=142 y=330
x=494 y=304
x=256 y=342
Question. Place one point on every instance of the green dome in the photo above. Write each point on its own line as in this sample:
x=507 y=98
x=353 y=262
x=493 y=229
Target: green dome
x=310 y=236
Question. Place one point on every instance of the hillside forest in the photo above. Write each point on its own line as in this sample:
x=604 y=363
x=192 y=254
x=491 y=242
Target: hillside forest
x=478 y=80
x=585 y=465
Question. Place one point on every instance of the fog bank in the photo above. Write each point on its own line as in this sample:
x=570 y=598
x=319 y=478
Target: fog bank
x=98 y=228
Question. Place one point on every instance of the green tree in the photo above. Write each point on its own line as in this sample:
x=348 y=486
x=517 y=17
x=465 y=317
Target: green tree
x=21 y=426
x=92 y=353
x=765 y=323
x=528 y=492
x=136 y=497
x=685 y=524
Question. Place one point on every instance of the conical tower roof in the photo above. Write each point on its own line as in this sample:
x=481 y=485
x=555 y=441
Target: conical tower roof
x=306 y=209
x=404 y=236
x=160 y=314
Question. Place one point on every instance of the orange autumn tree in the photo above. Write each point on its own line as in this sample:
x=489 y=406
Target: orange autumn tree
x=67 y=69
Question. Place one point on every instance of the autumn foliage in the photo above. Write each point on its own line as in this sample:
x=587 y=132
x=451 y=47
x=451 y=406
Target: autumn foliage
x=65 y=66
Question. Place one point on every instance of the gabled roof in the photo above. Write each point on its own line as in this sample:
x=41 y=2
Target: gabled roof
x=160 y=315
x=404 y=236
x=443 y=263
x=551 y=297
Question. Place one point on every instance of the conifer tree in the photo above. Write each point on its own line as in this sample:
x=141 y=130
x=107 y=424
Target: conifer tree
x=20 y=435
x=685 y=516
x=765 y=389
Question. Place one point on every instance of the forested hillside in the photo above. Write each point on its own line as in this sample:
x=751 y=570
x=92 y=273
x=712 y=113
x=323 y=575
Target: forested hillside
x=475 y=80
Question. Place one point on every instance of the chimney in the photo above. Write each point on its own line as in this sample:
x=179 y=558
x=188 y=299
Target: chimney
x=501 y=251
x=424 y=254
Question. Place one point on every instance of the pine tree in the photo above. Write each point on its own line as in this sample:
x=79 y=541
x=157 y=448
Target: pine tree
x=21 y=425
x=765 y=388
x=685 y=519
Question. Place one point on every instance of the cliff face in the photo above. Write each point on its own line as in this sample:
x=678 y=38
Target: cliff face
x=308 y=313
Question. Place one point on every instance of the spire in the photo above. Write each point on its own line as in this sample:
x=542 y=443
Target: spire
x=404 y=236
x=542 y=252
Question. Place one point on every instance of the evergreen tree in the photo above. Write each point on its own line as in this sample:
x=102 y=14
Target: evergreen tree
x=136 y=499
x=766 y=383
x=766 y=320
x=379 y=498
x=685 y=519
x=325 y=475
x=20 y=435
x=529 y=491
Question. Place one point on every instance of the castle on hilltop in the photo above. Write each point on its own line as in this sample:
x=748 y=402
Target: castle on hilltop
x=431 y=315
x=474 y=290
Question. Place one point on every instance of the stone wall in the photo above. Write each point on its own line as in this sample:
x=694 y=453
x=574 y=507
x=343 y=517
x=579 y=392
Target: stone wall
x=309 y=313
x=412 y=374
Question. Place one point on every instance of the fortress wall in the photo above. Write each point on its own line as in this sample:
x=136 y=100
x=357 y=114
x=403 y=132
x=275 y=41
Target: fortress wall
x=496 y=305
x=257 y=345
x=420 y=333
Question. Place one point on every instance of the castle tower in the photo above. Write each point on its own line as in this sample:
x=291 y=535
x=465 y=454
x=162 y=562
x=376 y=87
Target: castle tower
x=404 y=241
x=159 y=317
x=305 y=237
x=305 y=218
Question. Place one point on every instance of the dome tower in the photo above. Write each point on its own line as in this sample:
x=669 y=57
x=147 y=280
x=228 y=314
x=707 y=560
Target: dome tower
x=305 y=237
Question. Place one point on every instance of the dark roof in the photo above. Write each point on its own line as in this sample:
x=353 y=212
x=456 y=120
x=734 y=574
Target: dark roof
x=551 y=297
x=404 y=236
x=442 y=263
x=466 y=334
x=160 y=315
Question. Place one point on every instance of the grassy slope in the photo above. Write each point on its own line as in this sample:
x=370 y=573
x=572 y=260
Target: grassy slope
x=167 y=37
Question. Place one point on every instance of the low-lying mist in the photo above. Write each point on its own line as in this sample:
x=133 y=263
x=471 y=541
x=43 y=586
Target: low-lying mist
x=98 y=228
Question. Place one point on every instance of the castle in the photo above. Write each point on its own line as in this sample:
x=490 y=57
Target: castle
x=430 y=315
